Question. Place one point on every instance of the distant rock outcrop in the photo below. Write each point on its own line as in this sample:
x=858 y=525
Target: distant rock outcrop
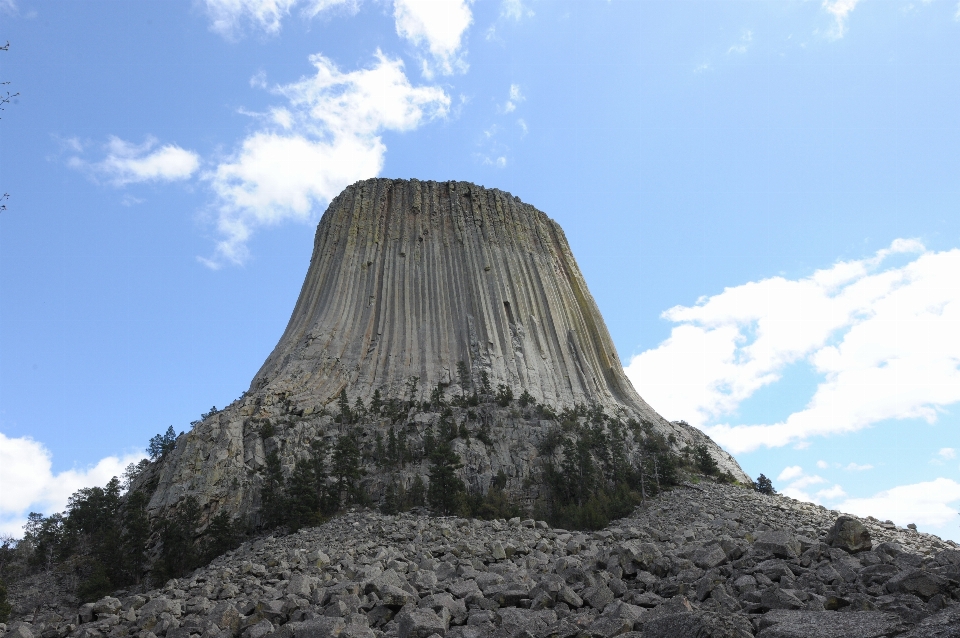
x=423 y=291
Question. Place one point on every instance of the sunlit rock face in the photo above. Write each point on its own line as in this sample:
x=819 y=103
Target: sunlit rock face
x=409 y=278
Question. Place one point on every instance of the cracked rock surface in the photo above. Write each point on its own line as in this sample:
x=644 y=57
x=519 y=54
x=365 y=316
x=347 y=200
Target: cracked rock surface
x=704 y=560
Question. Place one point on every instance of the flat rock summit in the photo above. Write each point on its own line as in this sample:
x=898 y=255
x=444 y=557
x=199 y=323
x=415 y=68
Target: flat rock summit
x=443 y=444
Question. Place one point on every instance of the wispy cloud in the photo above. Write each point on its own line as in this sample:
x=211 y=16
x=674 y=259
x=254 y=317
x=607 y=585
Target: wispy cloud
x=840 y=10
x=326 y=137
x=229 y=17
x=515 y=98
x=29 y=483
x=854 y=467
x=438 y=28
x=743 y=43
x=515 y=10
x=511 y=11
x=127 y=163
x=856 y=324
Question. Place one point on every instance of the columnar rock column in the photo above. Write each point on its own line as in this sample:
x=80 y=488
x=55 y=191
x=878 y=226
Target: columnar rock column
x=408 y=278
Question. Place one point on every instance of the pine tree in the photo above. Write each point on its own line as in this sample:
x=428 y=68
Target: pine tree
x=272 y=505
x=344 y=404
x=705 y=461
x=416 y=495
x=392 y=449
x=345 y=467
x=136 y=533
x=5 y=607
x=765 y=486
x=403 y=450
x=178 y=552
x=221 y=537
x=463 y=376
x=429 y=442
x=446 y=492
x=303 y=503
x=391 y=500
x=161 y=444
x=380 y=451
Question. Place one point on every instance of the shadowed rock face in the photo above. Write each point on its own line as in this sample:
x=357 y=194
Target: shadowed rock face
x=410 y=277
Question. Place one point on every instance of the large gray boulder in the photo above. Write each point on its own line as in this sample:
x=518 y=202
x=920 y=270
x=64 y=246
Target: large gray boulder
x=698 y=624
x=943 y=624
x=829 y=624
x=780 y=543
x=850 y=535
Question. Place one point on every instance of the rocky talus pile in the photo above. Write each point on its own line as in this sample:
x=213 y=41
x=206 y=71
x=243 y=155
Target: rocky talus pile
x=704 y=560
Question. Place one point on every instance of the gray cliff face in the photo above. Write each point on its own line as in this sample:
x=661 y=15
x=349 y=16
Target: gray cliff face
x=407 y=279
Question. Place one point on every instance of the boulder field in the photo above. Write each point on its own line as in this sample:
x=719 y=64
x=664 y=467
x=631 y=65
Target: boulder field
x=704 y=560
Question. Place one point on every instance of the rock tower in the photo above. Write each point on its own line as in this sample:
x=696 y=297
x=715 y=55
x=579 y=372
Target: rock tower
x=408 y=278
x=418 y=279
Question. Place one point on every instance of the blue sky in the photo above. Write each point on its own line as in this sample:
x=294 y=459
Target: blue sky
x=764 y=198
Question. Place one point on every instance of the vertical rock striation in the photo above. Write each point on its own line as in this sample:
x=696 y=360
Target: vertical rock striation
x=408 y=278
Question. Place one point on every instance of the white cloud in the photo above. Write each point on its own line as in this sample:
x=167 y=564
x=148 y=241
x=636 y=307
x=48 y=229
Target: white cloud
x=8 y=6
x=327 y=138
x=515 y=98
x=831 y=494
x=30 y=485
x=128 y=163
x=806 y=481
x=947 y=453
x=853 y=467
x=435 y=26
x=743 y=43
x=798 y=481
x=885 y=341
x=228 y=16
x=523 y=126
x=932 y=503
x=438 y=26
x=840 y=10
x=790 y=472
